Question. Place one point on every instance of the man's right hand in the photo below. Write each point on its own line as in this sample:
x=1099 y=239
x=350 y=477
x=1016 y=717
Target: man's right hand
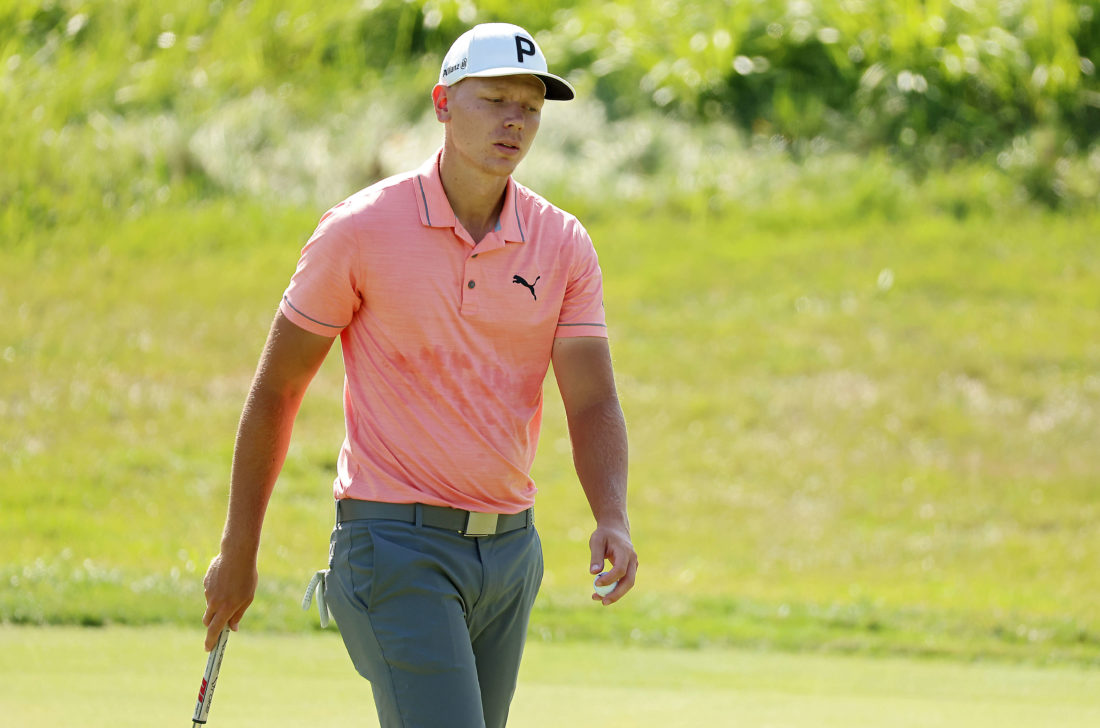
x=230 y=586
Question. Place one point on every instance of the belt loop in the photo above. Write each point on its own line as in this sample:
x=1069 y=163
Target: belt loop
x=419 y=515
x=530 y=518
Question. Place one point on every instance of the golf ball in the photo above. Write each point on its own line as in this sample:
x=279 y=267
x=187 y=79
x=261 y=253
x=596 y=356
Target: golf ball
x=603 y=591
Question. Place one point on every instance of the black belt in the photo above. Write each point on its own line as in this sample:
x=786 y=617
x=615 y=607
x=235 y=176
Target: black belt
x=467 y=523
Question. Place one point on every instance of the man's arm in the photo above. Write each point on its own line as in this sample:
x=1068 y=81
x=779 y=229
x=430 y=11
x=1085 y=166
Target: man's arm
x=582 y=366
x=290 y=359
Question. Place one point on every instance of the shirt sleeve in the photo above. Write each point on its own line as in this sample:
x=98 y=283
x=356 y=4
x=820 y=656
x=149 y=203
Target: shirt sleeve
x=323 y=294
x=582 y=311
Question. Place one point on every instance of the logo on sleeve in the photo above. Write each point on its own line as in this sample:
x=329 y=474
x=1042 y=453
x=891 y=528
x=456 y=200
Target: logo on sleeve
x=529 y=286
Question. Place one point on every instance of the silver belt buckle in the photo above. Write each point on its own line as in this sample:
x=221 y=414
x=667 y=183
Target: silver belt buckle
x=480 y=524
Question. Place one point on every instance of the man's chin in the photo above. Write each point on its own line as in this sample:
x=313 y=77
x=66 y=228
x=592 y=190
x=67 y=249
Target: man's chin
x=502 y=167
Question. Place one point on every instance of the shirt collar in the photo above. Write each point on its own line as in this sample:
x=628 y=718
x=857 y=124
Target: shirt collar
x=435 y=209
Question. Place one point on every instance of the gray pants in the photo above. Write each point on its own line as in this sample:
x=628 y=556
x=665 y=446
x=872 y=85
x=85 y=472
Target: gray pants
x=436 y=621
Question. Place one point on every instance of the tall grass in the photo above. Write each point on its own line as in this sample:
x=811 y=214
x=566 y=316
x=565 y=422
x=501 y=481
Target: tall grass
x=860 y=437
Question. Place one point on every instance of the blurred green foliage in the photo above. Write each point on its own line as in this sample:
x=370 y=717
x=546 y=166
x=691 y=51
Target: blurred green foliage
x=100 y=99
x=969 y=74
x=937 y=79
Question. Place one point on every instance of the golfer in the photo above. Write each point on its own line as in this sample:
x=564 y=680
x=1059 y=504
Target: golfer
x=452 y=289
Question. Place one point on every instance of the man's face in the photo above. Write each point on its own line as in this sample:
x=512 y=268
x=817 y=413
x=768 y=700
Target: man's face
x=491 y=122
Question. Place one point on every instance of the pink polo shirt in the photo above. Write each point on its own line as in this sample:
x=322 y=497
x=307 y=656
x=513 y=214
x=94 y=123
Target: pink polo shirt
x=446 y=343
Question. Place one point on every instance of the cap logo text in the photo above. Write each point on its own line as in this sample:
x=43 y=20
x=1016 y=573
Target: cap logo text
x=524 y=47
x=457 y=67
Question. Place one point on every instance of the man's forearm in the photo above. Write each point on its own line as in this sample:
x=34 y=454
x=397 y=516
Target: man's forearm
x=263 y=438
x=291 y=357
x=598 y=435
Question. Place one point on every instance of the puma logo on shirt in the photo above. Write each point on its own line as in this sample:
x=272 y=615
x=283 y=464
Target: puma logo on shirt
x=530 y=286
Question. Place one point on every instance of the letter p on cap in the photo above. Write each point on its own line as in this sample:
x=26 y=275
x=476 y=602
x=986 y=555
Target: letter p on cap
x=524 y=47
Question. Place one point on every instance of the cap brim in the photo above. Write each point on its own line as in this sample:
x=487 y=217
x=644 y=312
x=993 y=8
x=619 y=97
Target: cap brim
x=557 y=89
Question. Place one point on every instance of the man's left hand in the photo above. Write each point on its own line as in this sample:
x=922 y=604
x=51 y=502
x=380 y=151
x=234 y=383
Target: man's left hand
x=609 y=543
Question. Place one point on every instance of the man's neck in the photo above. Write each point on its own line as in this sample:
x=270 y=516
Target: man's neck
x=475 y=198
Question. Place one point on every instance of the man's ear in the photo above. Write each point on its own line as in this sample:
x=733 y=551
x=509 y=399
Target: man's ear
x=439 y=101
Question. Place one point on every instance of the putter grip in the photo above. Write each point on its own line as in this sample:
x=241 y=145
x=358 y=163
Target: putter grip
x=210 y=679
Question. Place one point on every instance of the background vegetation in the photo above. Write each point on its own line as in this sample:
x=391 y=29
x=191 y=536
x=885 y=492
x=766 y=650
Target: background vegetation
x=116 y=107
x=851 y=266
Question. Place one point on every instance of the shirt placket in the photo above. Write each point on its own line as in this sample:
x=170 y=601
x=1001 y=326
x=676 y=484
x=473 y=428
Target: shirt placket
x=472 y=278
x=474 y=272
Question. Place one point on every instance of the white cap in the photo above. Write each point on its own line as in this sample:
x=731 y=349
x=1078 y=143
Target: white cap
x=500 y=49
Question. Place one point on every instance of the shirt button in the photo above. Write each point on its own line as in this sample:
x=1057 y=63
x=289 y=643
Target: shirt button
x=471 y=284
x=474 y=255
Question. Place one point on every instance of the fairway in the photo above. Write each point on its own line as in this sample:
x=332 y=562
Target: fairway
x=123 y=677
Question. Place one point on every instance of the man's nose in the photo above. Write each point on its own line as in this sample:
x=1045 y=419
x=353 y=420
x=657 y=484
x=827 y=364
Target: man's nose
x=513 y=117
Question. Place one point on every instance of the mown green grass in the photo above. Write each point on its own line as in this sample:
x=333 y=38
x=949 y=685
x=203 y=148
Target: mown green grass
x=140 y=677
x=865 y=437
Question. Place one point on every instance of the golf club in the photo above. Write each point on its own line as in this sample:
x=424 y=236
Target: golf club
x=210 y=679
